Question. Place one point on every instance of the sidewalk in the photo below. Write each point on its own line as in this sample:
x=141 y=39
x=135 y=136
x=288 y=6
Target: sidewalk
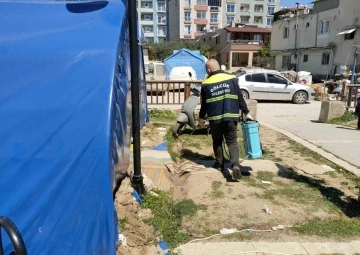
x=301 y=120
x=234 y=248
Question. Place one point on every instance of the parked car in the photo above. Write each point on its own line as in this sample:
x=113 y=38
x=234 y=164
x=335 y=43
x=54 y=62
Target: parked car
x=273 y=86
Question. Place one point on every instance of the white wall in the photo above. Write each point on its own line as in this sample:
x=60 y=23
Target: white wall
x=347 y=14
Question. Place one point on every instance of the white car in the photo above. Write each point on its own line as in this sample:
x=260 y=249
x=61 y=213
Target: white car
x=272 y=86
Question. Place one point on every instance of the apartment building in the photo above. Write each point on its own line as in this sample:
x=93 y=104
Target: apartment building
x=237 y=45
x=153 y=19
x=191 y=18
x=322 y=39
x=250 y=12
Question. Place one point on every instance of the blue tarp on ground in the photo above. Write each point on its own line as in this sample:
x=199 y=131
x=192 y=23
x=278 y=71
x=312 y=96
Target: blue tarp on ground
x=65 y=113
x=185 y=57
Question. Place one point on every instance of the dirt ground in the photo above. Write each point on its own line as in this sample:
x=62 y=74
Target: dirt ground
x=293 y=197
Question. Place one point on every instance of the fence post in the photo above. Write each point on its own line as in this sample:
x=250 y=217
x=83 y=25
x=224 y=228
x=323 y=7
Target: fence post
x=349 y=96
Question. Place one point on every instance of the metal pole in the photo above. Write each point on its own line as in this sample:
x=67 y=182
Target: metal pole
x=137 y=179
x=296 y=36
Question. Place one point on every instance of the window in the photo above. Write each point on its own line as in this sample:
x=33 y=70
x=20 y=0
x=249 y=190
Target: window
x=230 y=8
x=286 y=61
x=216 y=3
x=228 y=37
x=306 y=58
x=161 y=7
x=229 y=19
x=324 y=27
x=271 y=1
x=148 y=29
x=200 y=28
x=187 y=4
x=201 y=14
x=201 y=2
x=248 y=78
x=214 y=17
x=350 y=36
x=257 y=37
x=187 y=29
x=307 y=24
x=258 y=77
x=217 y=41
x=214 y=28
x=148 y=17
x=162 y=19
x=146 y=5
x=162 y=30
x=271 y=10
x=325 y=59
x=150 y=39
x=273 y=78
x=286 y=32
x=187 y=16
x=270 y=21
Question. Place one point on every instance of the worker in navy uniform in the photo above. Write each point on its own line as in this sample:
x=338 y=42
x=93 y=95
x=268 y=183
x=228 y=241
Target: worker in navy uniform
x=221 y=101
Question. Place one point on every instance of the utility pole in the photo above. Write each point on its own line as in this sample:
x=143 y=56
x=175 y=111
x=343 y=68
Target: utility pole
x=296 y=36
x=137 y=179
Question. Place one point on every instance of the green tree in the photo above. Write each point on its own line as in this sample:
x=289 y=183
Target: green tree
x=263 y=58
x=160 y=51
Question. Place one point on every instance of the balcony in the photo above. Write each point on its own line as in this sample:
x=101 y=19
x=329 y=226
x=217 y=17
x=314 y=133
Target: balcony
x=201 y=7
x=161 y=9
x=201 y=21
x=198 y=34
x=259 y=10
x=246 y=45
x=187 y=20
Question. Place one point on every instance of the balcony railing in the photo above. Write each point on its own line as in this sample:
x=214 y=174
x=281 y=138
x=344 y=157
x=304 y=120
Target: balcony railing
x=242 y=42
x=258 y=10
x=244 y=21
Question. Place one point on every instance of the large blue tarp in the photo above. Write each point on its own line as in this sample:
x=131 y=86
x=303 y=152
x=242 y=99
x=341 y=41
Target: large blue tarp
x=185 y=57
x=65 y=114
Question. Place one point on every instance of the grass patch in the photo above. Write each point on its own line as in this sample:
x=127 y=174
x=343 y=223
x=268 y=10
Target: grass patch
x=162 y=114
x=195 y=145
x=216 y=192
x=253 y=182
x=123 y=223
x=334 y=228
x=171 y=140
x=347 y=117
x=240 y=236
x=168 y=216
x=265 y=176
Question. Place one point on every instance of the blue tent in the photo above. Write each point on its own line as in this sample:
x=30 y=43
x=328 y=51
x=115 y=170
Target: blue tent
x=65 y=111
x=185 y=57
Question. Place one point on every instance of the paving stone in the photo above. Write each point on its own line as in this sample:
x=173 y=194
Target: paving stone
x=216 y=248
x=356 y=246
x=262 y=165
x=329 y=248
x=287 y=248
x=311 y=168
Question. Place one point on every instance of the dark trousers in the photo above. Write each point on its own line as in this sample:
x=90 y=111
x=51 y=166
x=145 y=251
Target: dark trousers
x=227 y=130
x=359 y=121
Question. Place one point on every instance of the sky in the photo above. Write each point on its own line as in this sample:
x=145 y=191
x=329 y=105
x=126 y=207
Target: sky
x=291 y=3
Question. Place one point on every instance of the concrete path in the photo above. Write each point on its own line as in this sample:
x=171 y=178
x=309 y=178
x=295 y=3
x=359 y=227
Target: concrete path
x=301 y=120
x=234 y=248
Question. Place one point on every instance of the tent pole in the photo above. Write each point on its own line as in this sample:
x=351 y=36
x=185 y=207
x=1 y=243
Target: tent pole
x=137 y=179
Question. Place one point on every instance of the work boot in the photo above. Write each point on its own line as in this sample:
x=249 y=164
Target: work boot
x=219 y=167
x=236 y=172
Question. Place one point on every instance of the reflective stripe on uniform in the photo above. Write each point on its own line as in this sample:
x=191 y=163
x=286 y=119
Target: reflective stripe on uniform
x=219 y=98
x=220 y=77
x=226 y=115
